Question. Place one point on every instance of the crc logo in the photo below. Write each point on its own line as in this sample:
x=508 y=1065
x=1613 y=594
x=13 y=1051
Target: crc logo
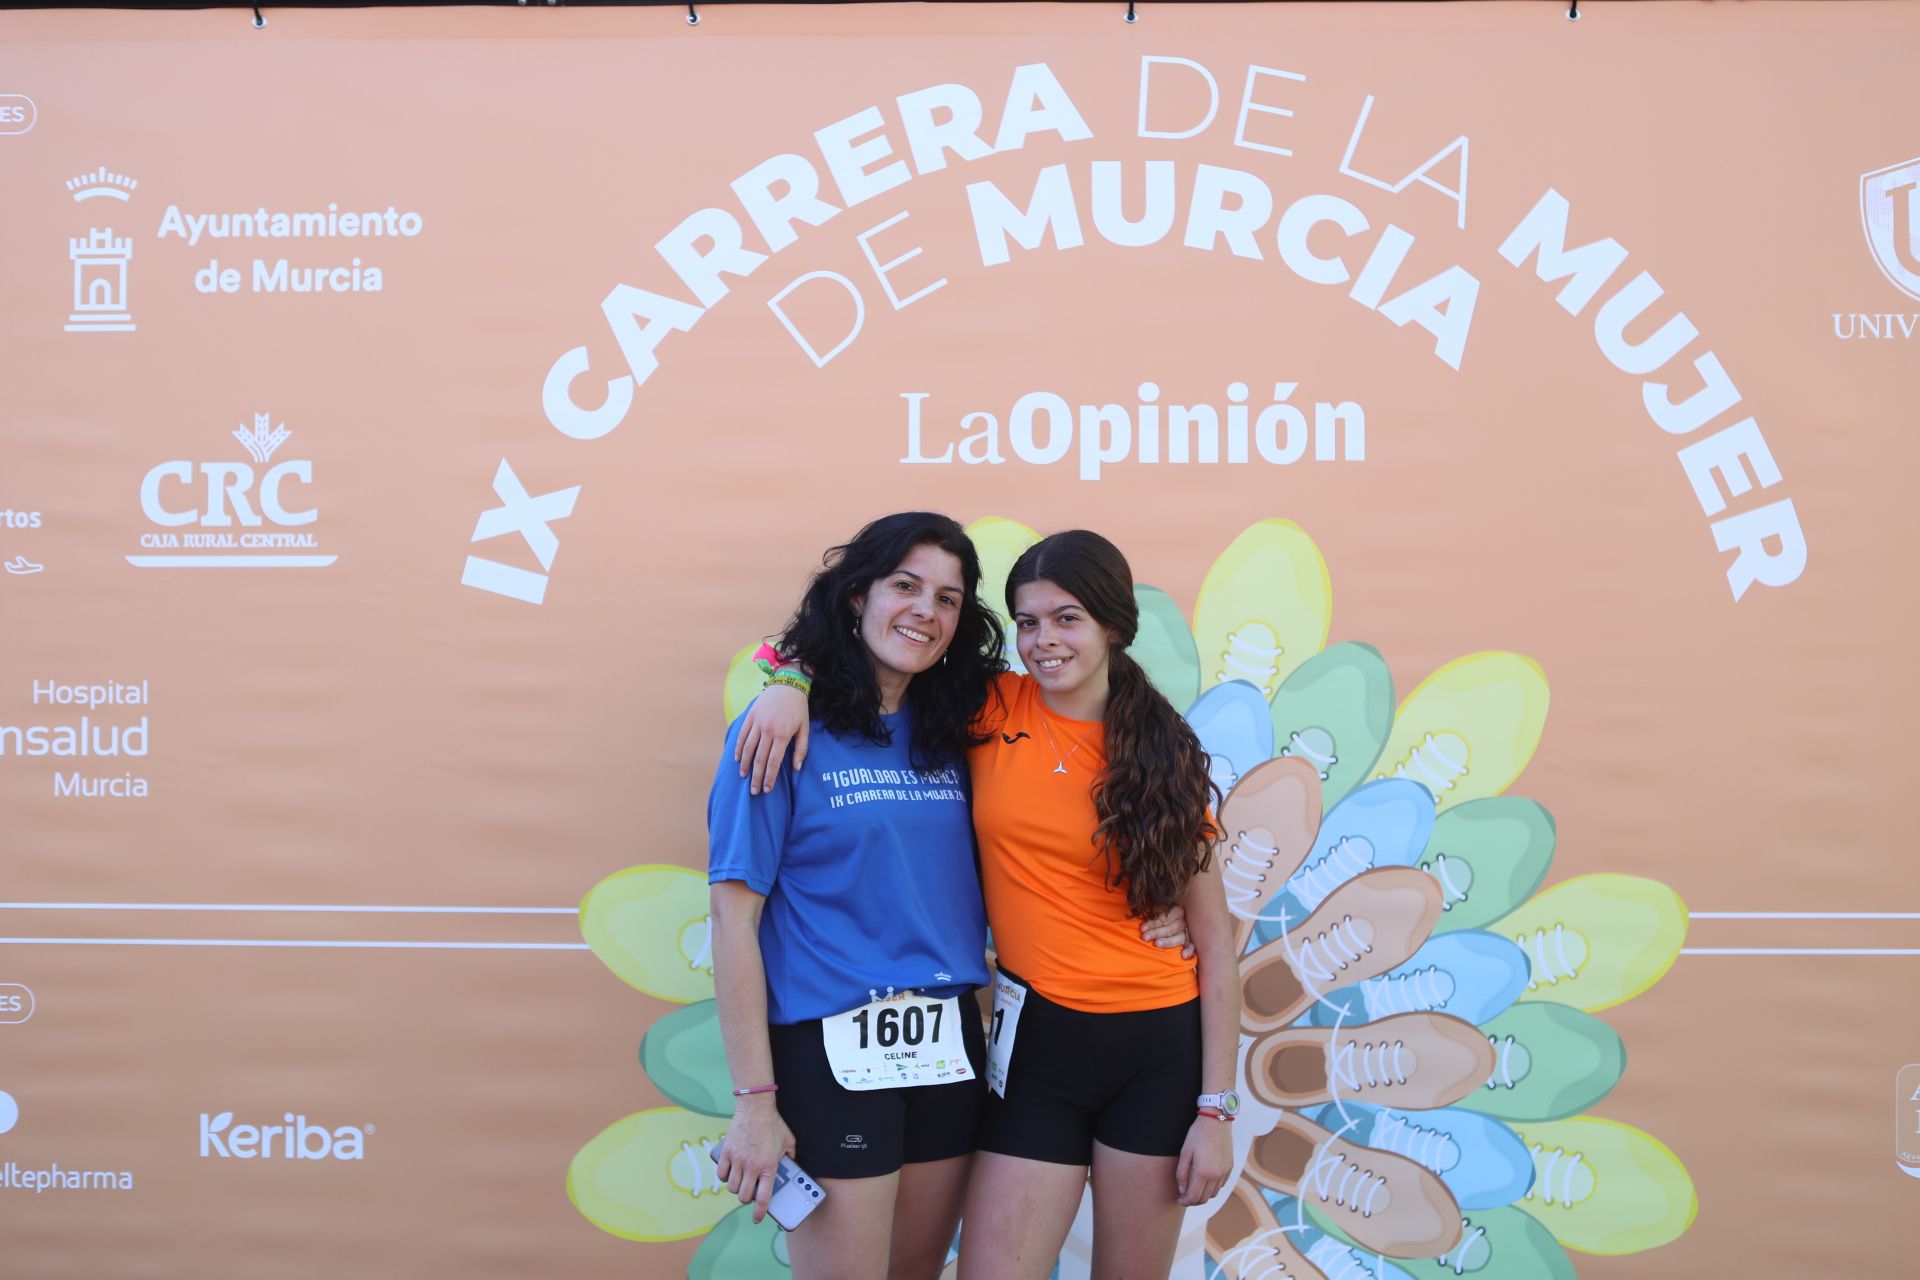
x=1888 y=200
x=295 y=1138
x=232 y=515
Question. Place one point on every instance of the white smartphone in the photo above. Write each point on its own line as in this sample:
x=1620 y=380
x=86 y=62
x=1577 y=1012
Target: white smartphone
x=795 y=1195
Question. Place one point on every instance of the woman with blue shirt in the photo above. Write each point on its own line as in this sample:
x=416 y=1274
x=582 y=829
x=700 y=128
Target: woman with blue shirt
x=847 y=918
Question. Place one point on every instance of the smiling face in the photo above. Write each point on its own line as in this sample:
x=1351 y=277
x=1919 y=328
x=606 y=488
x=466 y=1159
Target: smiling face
x=907 y=618
x=1064 y=648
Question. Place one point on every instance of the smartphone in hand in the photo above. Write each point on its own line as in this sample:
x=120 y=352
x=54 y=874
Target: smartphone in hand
x=795 y=1195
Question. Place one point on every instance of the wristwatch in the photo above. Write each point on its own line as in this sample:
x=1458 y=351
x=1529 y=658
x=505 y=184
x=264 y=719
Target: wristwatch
x=1227 y=1104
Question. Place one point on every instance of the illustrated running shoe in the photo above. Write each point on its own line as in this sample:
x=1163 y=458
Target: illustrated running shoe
x=1249 y=1243
x=1495 y=1244
x=650 y=1176
x=1472 y=975
x=1384 y=1202
x=1598 y=940
x=1339 y=1261
x=999 y=542
x=683 y=1056
x=652 y=925
x=1488 y=855
x=1235 y=725
x=1605 y=1187
x=1415 y=1060
x=1550 y=1061
x=1381 y=824
x=1470 y=728
x=1263 y=608
x=1163 y=645
x=1267 y=825
x=737 y=1249
x=744 y=682
x=1336 y=710
x=1330 y=1256
x=1372 y=923
x=1483 y=1162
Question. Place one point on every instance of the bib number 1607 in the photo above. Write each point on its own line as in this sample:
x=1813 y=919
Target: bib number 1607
x=891 y=1026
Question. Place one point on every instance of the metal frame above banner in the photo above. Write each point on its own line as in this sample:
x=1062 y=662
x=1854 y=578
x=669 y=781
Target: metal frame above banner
x=1133 y=10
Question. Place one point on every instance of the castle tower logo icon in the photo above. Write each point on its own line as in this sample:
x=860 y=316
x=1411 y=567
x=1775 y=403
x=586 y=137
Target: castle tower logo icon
x=1888 y=212
x=100 y=259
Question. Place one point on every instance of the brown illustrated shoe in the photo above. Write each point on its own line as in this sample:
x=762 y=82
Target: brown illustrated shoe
x=1382 y=1201
x=1367 y=926
x=1249 y=1243
x=1411 y=1060
x=1267 y=822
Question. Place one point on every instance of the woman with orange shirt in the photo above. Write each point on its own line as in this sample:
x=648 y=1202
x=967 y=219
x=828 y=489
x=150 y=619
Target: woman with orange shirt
x=1091 y=807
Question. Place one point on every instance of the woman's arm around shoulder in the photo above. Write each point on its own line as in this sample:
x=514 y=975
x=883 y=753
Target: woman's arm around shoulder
x=777 y=718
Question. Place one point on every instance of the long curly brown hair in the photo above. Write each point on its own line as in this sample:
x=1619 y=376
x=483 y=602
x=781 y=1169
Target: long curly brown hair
x=1152 y=797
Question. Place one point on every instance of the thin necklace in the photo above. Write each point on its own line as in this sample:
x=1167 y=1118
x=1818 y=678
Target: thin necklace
x=1060 y=761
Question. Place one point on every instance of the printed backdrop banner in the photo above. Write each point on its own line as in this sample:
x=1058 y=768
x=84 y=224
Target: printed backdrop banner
x=410 y=417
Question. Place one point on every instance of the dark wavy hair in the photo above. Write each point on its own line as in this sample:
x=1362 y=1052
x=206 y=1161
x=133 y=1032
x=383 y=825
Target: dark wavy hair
x=947 y=696
x=1152 y=796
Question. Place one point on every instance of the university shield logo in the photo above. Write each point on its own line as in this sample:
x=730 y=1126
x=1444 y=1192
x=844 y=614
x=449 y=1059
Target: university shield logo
x=1887 y=210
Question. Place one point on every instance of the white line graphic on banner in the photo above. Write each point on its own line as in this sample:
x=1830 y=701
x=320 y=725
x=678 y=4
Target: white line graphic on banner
x=432 y=909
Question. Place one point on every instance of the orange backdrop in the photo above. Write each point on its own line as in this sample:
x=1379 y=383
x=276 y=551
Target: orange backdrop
x=403 y=576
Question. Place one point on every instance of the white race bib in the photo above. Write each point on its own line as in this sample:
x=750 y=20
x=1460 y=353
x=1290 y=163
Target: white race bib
x=894 y=1043
x=1009 y=997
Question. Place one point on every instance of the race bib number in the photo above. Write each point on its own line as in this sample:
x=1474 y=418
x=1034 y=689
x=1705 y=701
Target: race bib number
x=891 y=1044
x=1008 y=999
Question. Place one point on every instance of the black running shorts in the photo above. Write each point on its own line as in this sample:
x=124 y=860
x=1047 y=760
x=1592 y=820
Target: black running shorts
x=847 y=1133
x=1126 y=1080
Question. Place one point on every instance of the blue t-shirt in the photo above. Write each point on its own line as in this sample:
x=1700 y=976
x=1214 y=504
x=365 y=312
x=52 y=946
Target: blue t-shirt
x=868 y=870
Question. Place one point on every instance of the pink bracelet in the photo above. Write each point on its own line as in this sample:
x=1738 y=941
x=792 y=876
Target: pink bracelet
x=758 y=1088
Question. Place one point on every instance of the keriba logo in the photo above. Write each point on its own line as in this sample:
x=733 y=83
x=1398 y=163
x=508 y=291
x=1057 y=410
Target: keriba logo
x=296 y=1138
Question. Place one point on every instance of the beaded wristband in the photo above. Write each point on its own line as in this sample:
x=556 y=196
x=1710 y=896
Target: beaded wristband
x=758 y=1088
x=780 y=670
x=792 y=679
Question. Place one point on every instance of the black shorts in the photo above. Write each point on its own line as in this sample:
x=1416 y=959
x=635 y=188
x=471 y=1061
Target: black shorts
x=1126 y=1080
x=867 y=1133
